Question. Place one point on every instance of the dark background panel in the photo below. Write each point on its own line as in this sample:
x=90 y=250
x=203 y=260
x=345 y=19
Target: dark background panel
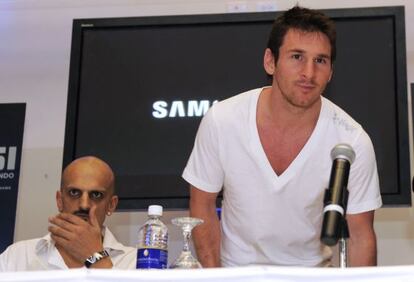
x=120 y=67
x=12 y=118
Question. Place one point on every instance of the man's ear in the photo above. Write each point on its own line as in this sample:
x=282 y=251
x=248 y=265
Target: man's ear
x=269 y=62
x=330 y=76
x=59 y=201
x=112 y=205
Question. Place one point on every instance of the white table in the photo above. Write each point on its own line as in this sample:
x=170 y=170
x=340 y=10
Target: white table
x=236 y=274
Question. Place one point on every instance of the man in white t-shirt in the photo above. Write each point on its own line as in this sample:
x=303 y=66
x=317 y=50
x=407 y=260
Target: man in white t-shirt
x=77 y=235
x=269 y=150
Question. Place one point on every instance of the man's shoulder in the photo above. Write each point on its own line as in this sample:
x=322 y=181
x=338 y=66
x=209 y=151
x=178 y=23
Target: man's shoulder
x=123 y=257
x=342 y=128
x=24 y=246
x=340 y=119
x=18 y=255
x=111 y=242
x=238 y=99
x=235 y=107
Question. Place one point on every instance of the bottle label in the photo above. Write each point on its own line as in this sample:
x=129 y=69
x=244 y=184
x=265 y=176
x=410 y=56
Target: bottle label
x=152 y=258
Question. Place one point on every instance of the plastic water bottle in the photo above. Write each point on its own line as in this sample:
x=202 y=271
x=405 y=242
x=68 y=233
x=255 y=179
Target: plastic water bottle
x=153 y=241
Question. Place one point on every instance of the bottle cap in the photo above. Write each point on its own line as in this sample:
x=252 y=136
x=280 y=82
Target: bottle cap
x=155 y=210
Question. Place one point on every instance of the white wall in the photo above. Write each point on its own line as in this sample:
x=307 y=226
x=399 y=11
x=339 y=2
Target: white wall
x=35 y=38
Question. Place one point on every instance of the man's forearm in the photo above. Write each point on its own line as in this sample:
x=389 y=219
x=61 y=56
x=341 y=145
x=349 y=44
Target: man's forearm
x=362 y=241
x=363 y=252
x=207 y=243
x=207 y=235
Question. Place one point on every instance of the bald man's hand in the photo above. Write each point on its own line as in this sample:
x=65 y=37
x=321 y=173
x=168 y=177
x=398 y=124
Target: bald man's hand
x=79 y=238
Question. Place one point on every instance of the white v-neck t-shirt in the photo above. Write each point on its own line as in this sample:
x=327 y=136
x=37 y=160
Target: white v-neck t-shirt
x=269 y=218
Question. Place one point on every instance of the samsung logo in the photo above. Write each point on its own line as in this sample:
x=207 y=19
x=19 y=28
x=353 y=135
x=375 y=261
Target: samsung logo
x=179 y=109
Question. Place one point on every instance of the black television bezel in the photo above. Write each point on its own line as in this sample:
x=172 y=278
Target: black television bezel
x=403 y=198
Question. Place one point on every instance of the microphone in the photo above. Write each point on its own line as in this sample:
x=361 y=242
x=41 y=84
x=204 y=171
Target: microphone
x=336 y=196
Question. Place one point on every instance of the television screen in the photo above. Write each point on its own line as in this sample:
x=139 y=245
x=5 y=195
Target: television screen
x=139 y=87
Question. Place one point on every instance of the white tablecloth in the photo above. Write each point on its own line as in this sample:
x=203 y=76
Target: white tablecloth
x=239 y=274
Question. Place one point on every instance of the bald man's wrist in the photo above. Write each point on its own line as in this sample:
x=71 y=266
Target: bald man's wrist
x=96 y=257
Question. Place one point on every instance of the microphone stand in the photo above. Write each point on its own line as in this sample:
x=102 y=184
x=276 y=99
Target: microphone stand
x=342 y=234
x=343 y=243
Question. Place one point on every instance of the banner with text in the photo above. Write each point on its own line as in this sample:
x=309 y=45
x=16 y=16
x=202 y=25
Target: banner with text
x=11 y=139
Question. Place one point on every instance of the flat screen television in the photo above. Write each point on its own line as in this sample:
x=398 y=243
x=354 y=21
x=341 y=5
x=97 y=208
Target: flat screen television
x=138 y=88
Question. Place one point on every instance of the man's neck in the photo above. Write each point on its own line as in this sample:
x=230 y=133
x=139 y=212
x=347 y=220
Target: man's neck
x=274 y=109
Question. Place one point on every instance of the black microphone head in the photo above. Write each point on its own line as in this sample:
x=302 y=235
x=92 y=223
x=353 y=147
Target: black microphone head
x=343 y=151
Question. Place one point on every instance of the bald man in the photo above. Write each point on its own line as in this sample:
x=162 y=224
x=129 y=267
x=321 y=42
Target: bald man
x=77 y=237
